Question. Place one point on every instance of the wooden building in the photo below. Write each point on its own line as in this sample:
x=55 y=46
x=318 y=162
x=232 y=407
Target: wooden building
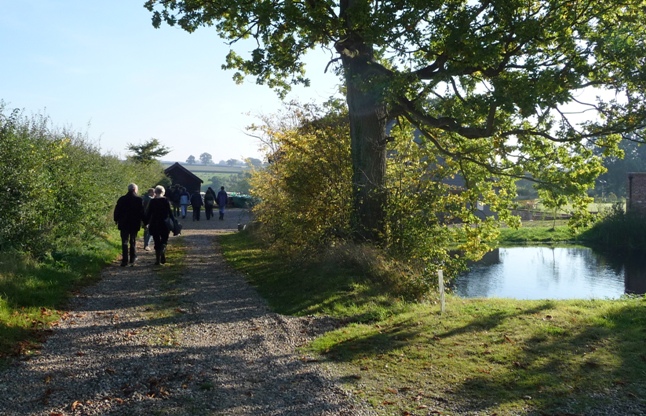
x=178 y=174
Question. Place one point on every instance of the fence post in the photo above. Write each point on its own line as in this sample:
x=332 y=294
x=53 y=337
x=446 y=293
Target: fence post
x=440 y=281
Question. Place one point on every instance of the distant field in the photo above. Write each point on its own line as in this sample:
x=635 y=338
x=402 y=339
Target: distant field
x=206 y=172
x=211 y=169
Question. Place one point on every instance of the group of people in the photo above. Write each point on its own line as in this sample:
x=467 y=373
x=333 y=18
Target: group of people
x=152 y=210
x=181 y=199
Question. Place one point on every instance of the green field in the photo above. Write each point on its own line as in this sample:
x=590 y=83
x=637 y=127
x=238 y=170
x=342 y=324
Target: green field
x=211 y=169
x=206 y=172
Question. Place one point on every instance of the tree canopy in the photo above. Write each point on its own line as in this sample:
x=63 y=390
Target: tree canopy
x=206 y=158
x=494 y=89
x=147 y=152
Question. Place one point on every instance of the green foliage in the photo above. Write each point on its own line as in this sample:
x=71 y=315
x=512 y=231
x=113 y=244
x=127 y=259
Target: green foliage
x=499 y=84
x=618 y=231
x=147 y=152
x=56 y=187
x=305 y=192
x=631 y=158
x=434 y=215
x=238 y=182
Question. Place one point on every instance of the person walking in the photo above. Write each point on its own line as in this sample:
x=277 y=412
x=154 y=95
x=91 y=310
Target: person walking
x=146 y=198
x=173 y=196
x=128 y=215
x=222 y=198
x=196 y=204
x=184 y=198
x=209 y=202
x=159 y=210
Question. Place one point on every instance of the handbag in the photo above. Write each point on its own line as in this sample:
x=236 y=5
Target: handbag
x=169 y=223
x=177 y=230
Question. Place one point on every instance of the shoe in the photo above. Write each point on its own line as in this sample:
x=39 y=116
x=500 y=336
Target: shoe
x=124 y=264
x=133 y=260
x=147 y=248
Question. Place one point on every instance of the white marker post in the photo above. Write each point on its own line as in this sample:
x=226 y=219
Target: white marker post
x=440 y=281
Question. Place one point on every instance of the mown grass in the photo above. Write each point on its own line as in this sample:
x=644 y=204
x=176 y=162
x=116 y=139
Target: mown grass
x=538 y=232
x=32 y=293
x=502 y=357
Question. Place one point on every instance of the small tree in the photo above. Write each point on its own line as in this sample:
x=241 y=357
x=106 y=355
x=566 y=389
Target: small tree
x=148 y=151
x=191 y=160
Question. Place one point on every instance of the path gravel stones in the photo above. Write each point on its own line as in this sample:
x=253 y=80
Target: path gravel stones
x=204 y=344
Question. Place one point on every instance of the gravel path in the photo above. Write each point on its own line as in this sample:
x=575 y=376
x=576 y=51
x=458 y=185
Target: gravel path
x=205 y=344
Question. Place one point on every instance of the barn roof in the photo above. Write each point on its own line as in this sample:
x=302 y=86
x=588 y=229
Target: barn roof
x=178 y=168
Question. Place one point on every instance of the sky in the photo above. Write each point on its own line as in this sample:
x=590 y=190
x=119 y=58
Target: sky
x=99 y=68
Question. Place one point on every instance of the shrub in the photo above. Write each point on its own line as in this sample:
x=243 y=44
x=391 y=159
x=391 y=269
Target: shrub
x=305 y=192
x=55 y=186
x=618 y=231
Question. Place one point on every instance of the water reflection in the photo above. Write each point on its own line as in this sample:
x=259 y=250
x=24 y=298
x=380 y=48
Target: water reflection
x=552 y=273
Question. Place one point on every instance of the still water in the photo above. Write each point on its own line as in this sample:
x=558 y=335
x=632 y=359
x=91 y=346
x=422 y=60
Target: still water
x=552 y=273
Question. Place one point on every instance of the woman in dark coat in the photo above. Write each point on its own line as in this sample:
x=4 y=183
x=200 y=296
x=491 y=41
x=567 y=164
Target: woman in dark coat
x=158 y=210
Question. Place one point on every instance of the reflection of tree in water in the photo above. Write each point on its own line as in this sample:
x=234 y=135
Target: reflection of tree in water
x=553 y=272
x=482 y=285
x=633 y=267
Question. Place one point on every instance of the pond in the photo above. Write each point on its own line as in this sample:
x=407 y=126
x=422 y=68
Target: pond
x=552 y=273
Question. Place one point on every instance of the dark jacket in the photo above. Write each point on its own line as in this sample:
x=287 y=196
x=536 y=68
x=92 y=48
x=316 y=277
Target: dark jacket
x=174 y=196
x=222 y=198
x=158 y=210
x=209 y=197
x=129 y=212
x=196 y=200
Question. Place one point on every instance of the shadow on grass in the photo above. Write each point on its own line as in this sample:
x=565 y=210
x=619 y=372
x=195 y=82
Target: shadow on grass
x=303 y=290
x=574 y=369
x=571 y=372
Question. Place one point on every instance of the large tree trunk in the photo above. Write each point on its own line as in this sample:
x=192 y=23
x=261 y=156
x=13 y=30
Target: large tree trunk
x=368 y=139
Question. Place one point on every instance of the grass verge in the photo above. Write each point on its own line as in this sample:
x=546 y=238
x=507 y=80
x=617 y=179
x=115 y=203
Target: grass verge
x=537 y=232
x=32 y=293
x=502 y=357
